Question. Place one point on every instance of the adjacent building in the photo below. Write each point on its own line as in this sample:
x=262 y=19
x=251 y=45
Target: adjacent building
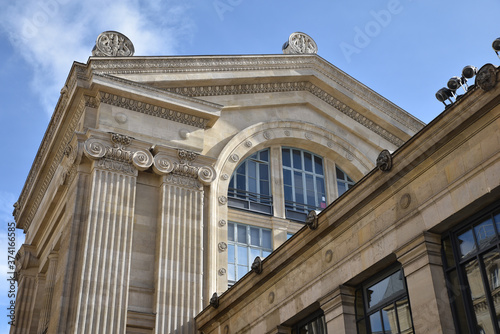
x=256 y=194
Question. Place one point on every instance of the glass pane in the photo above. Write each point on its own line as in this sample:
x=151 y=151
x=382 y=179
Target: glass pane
x=467 y=245
x=230 y=254
x=309 y=182
x=231 y=272
x=456 y=292
x=342 y=188
x=308 y=163
x=252 y=185
x=242 y=233
x=231 y=183
x=242 y=270
x=299 y=192
x=241 y=169
x=318 y=165
x=254 y=236
x=252 y=169
x=497 y=220
x=297 y=159
x=230 y=231
x=285 y=154
x=491 y=263
x=264 y=155
x=240 y=182
x=478 y=295
x=242 y=256
x=264 y=187
x=404 y=317
x=484 y=233
x=385 y=289
x=266 y=239
x=254 y=252
x=264 y=172
x=288 y=193
x=287 y=177
x=448 y=252
x=376 y=323
x=389 y=317
x=340 y=174
x=265 y=254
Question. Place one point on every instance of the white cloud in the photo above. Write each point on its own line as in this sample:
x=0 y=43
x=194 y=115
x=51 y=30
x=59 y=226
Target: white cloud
x=51 y=34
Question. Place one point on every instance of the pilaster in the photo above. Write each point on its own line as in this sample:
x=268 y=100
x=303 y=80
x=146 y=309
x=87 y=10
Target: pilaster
x=422 y=265
x=103 y=291
x=26 y=271
x=180 y=240
x=50 y=282
x=338 y=307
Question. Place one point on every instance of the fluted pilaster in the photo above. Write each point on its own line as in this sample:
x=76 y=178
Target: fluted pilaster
x=50 y=282
x=26 y=269
x=103 y=292
x=180 y=243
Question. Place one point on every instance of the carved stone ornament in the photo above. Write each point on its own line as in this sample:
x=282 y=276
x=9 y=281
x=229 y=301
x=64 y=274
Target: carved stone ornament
x=119 y=156
x=405 y=201
x=224 y=177
x=223 y=200
x=222 y=246
x=222 y=271
x=222 y=222
x=234 y=157
x=257 y=265
x=300 y=43
x=214 y=301
x=162 y=164
x=112 y=44
x=486 y=77
x=384 y=161
x=206 y=175
x=312 y=220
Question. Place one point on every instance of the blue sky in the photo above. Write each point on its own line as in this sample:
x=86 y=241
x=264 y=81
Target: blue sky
x=403 y=49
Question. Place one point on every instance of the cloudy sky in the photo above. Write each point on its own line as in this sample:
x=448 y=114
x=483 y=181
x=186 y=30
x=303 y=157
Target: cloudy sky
x=403 y=49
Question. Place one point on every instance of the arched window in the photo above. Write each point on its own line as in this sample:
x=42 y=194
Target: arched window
x=303 y=181
x=249 y=187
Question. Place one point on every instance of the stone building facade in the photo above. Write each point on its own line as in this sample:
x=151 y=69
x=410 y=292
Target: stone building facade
x=160 y=179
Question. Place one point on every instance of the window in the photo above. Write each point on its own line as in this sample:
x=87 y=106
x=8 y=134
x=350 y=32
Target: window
x=304 y=183
x=344 y=182
x=249 y=187
x=245 y=243
x=382 y=305
x=471 y=256
x=315 y=324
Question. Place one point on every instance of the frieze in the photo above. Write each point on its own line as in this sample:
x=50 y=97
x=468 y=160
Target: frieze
x=288 y=87
x=153 y=110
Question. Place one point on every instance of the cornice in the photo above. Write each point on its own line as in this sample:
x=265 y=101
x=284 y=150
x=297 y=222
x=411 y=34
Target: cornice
x=186 y=64
x=306 y=86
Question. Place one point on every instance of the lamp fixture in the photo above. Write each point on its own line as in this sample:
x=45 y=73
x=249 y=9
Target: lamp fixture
x=445 y=94
x=469 y=71
x=496 y=46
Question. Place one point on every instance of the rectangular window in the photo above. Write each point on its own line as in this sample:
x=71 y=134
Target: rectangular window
x=313 y=324
x=382 y=305
x=245 y=243
x=471 y=256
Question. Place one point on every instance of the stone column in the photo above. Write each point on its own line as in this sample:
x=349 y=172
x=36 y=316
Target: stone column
x=26 y=271
x=103 y=291
x=338 y=307
x=276 y=173
x=180 y=240
x=50 y=282
x=422 y=265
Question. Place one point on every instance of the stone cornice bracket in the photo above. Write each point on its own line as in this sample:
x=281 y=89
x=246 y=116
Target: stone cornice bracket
x=486 y=77
x=25 y=259
x=117 y=156
x=257 y=265
x=312 y=220
x=384 y=161
x=214 y=301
